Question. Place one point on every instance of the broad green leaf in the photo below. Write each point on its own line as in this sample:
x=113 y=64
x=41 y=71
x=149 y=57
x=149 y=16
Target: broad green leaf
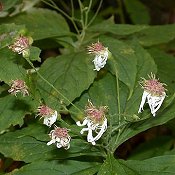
x=29 y=144
x=117 y=29
x=70 y=74
x=41 y=23
x=111 y=166
x=9 y=67
x=162 y=165
x=152 y=148
x=13 y=110
x=138 y=12
x=123 y=61
x=156 y=35
x=70 y=167
x=165 y=66
x=8 y=32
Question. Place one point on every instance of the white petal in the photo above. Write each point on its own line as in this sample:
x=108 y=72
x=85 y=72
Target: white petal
x=155 y=103
x=51 y=142
x=83 y=130
x=145 y=94
x=59 y=145
x=102 y=130
x=90 y=136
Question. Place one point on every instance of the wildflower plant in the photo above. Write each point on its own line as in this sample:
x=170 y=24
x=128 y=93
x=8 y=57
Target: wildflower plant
x=82 y=75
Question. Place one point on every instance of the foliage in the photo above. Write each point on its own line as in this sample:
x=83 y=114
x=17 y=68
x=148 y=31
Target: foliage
x=59 y=73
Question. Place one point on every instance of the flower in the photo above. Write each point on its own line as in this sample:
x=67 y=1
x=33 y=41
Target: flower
x=60 y=137
x=154 y=92
x=21 y=45
x=95 y=120
x=49 y=115
x=18 y=86
x=101 y=54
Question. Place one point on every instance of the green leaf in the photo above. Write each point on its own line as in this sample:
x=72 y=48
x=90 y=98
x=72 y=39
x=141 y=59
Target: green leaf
x=41 y=23
x=13 y=110
x=123 y=62
x=70 y=74
x=152 y=148
x=138 y=12
x=162 y=165
x=117 y=29
x=9 y=67
x=165 y=66
x=69 y=167
x=7 y=4
x=35 y=54
x=111 y=166
x=156 y=35
x=8 y=32
x=29 y=144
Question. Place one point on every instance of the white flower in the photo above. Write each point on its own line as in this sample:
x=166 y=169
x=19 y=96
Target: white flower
x=154 y=93
x=96 y=122
x=60 y=137
x=101 y=55
x=49 y=115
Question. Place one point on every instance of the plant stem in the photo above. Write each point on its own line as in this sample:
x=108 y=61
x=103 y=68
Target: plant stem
x=120 y=11
x=51 y=85
x=72 y=19
x=95 y=14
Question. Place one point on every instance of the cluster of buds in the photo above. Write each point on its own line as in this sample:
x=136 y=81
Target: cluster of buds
x=60 y=137
x=49 y=115
x=101 y=54
x=96 y=122
x=21 y=45
x=154 y=92
x=18 y=86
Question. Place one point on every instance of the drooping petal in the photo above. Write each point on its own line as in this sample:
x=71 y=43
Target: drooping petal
x=144 y=96
x=83 y=124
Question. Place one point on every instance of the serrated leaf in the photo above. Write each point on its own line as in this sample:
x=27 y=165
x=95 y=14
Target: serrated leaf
x=162 y=165
x=138 y=12
x=9 y=67
x=152 y=148
x=69 y=167
x=29 y=144
x=41 y=23
x=70 y=74
x=117 y=29
x=123 y=62
x=156 y=35
x=13 y=110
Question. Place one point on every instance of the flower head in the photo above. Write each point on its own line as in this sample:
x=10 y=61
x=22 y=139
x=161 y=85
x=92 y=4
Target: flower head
x=95 y=120
x=101 y=54
x=21 y=45
x=18 y=86
x=154 y=92
x=49 y=115
x=60 y=137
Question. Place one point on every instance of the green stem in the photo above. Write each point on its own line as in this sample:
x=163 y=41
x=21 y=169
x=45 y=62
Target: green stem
x=51 y=85
x=72 y=19
x=120 y=11
x=93 y=18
